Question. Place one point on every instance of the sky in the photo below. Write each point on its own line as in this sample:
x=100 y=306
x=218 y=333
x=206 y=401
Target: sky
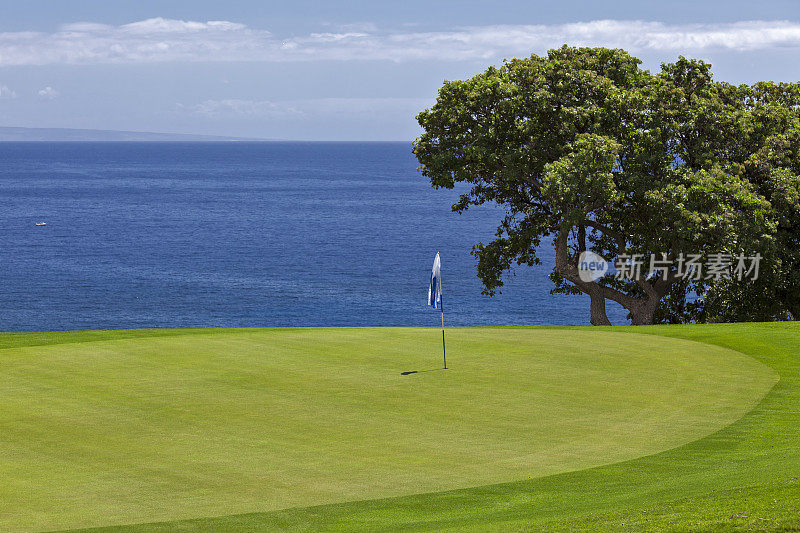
x=358 y=70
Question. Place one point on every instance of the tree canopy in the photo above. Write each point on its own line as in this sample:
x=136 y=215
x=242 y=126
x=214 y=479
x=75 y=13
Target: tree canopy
x=585 y=149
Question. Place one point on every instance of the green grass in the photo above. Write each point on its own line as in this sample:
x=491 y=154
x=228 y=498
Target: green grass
x=684 y=428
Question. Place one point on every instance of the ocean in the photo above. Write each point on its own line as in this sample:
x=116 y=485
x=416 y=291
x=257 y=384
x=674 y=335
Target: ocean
x=169 y=234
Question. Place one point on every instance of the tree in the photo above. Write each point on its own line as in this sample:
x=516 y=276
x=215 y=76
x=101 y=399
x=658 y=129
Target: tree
x=766 y=124
x=585 y=147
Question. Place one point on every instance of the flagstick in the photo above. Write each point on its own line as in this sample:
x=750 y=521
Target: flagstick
x=444 y=351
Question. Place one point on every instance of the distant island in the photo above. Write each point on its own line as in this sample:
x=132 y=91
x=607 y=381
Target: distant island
x=8 y=134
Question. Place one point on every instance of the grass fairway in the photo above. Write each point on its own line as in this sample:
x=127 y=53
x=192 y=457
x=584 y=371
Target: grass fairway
x=680 y=427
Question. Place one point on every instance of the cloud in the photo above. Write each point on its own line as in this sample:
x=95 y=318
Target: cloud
x=171 y=26
x=369 y=27
x=6 y=93
x=307 y=108
x=233 y=107
x=79 y=27
x=48 y=93
x=170 y=40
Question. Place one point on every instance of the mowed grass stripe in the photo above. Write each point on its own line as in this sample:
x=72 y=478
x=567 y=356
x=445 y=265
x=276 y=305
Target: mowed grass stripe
x=163 y=427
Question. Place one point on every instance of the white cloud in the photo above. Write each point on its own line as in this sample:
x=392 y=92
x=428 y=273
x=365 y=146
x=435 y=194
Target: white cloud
x=85 y=27
x=166 y=40
x=6 y=93
x=335 y=37
x=233 y=107
x=369 y=27
x=171 y=26
x=312 y=107
x=48 y=93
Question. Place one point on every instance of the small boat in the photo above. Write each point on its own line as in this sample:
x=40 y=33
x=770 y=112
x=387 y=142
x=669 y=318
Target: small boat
x=41 y=223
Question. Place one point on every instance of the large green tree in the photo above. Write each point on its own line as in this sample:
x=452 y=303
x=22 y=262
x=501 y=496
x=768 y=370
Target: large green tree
x=585 y=149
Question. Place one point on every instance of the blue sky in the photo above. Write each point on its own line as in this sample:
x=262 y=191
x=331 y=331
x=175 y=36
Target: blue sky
x=331 y=70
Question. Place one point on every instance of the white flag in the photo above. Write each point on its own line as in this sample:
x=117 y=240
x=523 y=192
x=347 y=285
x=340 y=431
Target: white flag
x=435 y=289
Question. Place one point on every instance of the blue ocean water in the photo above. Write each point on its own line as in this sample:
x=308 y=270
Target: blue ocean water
x=244 y=234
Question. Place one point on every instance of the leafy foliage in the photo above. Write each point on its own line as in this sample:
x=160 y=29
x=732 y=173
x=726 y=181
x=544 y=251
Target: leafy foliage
x=585 y=147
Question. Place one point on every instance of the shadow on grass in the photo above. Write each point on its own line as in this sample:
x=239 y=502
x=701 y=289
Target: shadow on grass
x=407 y=372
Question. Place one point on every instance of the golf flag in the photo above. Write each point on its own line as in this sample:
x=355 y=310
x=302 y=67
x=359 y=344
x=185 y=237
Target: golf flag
x=435 y=297
x=435 y=289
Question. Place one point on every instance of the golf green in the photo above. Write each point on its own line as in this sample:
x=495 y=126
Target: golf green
x=109 y=428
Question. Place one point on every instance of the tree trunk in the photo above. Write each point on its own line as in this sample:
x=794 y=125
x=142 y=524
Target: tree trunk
x=642 y=310
x=643 y=313
x=597 y=309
